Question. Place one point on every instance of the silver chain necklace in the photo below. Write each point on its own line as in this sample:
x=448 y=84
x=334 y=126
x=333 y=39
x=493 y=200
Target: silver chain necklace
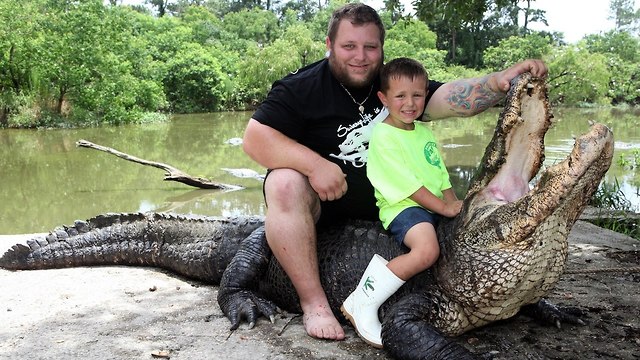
x=360 y=104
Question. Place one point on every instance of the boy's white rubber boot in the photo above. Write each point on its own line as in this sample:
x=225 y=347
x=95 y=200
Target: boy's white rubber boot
x=377 y=284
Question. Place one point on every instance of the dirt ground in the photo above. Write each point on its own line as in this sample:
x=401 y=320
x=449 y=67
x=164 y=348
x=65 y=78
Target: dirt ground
x=137 y=313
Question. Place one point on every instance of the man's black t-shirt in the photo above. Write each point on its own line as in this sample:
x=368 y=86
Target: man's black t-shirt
x=311 y=107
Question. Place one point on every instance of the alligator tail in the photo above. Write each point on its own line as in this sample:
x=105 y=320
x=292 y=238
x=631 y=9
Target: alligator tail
x=191 y=246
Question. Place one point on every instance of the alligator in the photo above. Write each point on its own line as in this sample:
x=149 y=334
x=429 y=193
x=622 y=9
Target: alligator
x=502 y=254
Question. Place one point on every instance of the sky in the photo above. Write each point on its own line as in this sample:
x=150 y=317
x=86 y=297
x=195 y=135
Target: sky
x=575 y=18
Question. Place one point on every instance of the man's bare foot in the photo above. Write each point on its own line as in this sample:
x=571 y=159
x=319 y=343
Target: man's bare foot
x=320 y=323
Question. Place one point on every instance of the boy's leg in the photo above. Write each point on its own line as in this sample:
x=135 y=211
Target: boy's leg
x=422 y=240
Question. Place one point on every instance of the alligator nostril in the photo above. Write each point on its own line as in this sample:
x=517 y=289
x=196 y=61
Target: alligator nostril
x=530 y=89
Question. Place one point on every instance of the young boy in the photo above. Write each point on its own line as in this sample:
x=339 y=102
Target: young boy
x=412 y=190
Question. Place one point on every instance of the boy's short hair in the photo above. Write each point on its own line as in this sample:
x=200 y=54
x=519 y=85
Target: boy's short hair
x=357 y=14
x=401 y=67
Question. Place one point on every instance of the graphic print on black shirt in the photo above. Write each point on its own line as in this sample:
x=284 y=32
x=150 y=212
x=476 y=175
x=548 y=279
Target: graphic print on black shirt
x=354 y=138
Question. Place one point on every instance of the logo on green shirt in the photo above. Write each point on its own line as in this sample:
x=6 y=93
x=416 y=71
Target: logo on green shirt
x=431 y=153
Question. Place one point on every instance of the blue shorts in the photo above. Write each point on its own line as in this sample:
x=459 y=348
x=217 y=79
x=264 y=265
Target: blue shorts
x=408 y=218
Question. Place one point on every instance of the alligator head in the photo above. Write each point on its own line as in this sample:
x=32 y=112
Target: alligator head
x=508 y=246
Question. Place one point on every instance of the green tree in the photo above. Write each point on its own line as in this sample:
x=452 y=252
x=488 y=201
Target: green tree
x=195 y=81
x=414 y=32
x=412 y=38
x=624 y=15
x=449 y=18
x=205 y=26
x=466 y=28
x=530 y=15
x=577 y=76
x=395 y=9
x=257 y=25
x=72 y=58
x=160 y=6
x=303 y=10
x=264 y=65
x=620 y=43
x=19 y=39
x=514 y=49
x=88 y=66
x=624 y=87
x=623 y=53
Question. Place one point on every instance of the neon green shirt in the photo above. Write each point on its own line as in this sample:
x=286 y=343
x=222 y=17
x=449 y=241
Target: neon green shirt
x=399 y=163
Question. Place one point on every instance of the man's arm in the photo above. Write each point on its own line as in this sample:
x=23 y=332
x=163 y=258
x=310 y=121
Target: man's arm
x=468 y=97
x=274 y=150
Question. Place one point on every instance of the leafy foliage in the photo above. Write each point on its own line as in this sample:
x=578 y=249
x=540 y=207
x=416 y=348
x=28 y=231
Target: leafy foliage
x=85 y=62
x=515 y=48
x=261 y=66
x=623 y=55
x=579 y=76
x=195 y=81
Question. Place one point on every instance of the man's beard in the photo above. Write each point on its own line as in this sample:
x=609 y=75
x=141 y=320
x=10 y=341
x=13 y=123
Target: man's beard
x=342 y=73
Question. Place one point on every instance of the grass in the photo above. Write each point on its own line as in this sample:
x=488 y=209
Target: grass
x=609 y=196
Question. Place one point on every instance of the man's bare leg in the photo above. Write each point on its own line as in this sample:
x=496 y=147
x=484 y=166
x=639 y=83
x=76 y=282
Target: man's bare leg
x=292 y=210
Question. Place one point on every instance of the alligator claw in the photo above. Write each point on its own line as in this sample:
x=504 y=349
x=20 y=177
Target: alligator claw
x=245 y=305
x=549 y=313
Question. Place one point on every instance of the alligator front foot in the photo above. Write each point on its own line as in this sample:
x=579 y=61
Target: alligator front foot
x=238 y=296
x=245 y=305
x=552 y=314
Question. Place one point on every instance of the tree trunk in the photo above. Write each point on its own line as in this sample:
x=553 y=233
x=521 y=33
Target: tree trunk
x=60 y=101
x=4 y=116
x=453 y=45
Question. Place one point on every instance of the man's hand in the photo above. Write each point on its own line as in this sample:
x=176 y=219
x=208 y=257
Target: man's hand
x=328 y=180
x=536 y=67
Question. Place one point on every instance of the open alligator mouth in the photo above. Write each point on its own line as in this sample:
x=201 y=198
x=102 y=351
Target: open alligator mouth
x=516 y=153
x=508 y=246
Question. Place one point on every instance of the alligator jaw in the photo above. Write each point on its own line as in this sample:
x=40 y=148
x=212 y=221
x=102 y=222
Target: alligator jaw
x=517 y=237
x=515 y=156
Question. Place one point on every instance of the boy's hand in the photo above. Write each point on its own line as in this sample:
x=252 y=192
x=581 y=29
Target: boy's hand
x=452 y=209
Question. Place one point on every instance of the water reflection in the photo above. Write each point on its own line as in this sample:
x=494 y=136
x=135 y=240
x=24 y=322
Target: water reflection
x=48 y=181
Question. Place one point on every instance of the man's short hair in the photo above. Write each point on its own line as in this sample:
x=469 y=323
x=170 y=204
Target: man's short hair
x=357 y=14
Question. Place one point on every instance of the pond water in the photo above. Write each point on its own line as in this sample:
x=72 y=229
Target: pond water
x=48 y=181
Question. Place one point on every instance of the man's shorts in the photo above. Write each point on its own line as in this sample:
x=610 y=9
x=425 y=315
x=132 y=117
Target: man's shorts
x=408 y=218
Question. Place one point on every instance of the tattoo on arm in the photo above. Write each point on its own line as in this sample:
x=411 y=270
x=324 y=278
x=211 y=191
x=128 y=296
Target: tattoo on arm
x=472 y=96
